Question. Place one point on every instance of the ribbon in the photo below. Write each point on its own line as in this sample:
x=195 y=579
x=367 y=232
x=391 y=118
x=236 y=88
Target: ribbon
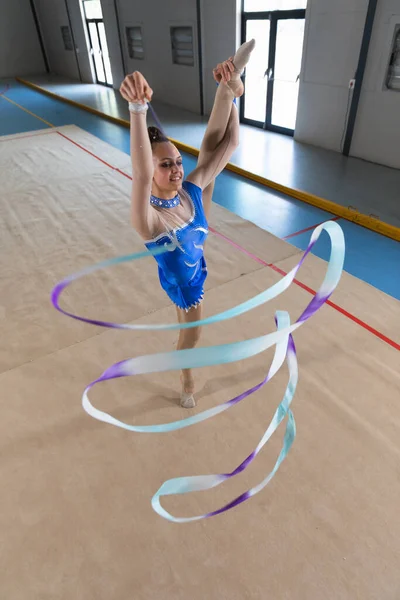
x=215 y=355
x=157 y=120
x=5 y=89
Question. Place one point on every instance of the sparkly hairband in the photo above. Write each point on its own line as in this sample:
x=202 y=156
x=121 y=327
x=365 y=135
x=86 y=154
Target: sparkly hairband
x=215 y=355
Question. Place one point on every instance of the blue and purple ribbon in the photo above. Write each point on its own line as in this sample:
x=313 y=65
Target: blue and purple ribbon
x=201 y=357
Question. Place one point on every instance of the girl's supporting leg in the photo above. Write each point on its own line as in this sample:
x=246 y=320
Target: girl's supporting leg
x=223 y=127
x=188 y=338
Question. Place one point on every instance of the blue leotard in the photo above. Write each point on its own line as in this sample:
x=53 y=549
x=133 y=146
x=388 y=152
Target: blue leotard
x=182 y=271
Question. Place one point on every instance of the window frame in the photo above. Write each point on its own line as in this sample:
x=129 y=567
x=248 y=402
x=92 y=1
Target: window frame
x=128 y=39
x=67 y=38
x=174 y=27
x=394 y=54
x=273 y=16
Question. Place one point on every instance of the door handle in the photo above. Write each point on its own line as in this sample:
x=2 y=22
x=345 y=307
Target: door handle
x=269 y=73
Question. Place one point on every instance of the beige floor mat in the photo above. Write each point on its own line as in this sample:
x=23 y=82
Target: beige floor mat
x=75 y=512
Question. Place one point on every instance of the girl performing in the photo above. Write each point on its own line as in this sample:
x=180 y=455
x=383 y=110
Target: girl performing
x=168 y=210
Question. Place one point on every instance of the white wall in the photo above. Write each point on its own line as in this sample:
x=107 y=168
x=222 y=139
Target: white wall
x=52 y=16
x=221 y=34
x=20 y=52
x=173 y=84
x=377 y=131
x=332 y=42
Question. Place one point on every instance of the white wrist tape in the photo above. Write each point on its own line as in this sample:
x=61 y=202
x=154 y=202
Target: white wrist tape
x=138 y=108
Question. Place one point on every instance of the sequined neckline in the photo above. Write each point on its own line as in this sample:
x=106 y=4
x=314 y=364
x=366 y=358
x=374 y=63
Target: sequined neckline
x=160 y=203
x=179 y=228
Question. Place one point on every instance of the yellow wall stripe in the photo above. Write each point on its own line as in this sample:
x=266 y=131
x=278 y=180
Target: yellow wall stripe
x=26 y=110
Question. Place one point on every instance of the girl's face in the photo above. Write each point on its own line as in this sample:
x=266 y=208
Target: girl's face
x=168 y=170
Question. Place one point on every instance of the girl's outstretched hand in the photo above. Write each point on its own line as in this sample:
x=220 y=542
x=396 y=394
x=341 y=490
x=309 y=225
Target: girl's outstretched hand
x=135 y=88
x=222 y=71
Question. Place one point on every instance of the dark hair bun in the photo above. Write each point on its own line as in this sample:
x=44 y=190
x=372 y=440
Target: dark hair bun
x=156 y=135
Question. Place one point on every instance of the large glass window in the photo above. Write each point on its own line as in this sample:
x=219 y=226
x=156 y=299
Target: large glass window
x=98 y=41
x=273 y=74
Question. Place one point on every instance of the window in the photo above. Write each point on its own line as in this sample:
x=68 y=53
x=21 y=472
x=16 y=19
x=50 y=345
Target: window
x=182 y=46
x=268 y=5
x=67 y=39
x=393 y=76
x=92 y=9
x=272 y=76
x=97 y=38
x=134 y=39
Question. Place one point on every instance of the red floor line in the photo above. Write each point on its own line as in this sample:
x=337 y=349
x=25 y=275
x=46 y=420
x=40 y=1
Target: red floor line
x=235 y=245
x=287 y=237
x=124 y=174
x=87 y=151
x=305 y=287
x=344 y=312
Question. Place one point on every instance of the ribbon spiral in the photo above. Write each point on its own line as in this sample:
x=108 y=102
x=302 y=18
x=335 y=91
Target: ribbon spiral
x=216 y=355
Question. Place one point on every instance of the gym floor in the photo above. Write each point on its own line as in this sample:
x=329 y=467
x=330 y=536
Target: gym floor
x=76 y=516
